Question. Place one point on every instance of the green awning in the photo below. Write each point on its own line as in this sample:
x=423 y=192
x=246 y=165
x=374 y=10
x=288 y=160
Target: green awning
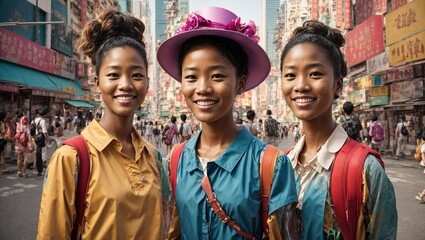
x=79 y=103
x=27 y=77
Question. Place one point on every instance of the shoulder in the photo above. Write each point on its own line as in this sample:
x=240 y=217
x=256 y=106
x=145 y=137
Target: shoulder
x=423 y=148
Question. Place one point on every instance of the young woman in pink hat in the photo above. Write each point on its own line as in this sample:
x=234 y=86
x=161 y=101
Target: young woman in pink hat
x=217 y=58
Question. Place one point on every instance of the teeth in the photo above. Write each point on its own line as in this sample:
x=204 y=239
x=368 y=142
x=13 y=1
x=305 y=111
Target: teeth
x=205 y=103
x=304 y=100
x=125 y=98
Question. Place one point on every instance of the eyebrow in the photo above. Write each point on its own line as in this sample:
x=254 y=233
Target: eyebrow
x=119 y=67
x=210 y=68
x=313 y=65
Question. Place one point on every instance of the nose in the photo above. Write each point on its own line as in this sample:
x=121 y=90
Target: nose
x=301 y=84
x=125 y=83
x=203 y=86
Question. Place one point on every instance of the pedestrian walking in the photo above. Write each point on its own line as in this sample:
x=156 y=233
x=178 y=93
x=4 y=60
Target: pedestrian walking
x=124 y=198
x=217 y=58
x=21 y=143
x=157 y=135
x=313 y=69
x=170 y=135
x=377 y=134
x=271 y=129
x=3 y=141
x=251 y=125
x=401 y=134
x=185 y=130
x=41 y=137
x=351 y=123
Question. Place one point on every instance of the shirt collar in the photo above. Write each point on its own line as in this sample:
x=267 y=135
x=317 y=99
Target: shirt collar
x=229 y=158
x=327 y=152
x=97 y=136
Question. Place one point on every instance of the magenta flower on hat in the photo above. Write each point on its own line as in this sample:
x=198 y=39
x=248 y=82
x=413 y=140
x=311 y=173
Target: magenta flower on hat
x=195 y=21
x=247 y=29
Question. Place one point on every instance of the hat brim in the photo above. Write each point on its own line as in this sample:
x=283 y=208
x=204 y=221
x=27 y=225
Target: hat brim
x=258 y=62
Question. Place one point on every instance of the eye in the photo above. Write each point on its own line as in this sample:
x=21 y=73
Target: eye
x=315 y=74
x=217 y=76
x=113 y=75
x=289 y=76
x=190 y=78
x=138 y=76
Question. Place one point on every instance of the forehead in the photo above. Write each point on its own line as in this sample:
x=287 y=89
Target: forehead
x=307 y=52
x=123 y=55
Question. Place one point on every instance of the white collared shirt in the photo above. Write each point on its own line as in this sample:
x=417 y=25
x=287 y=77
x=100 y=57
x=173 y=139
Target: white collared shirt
x=322 y=160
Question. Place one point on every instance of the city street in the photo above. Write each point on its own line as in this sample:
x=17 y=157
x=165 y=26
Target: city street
x=20 y=199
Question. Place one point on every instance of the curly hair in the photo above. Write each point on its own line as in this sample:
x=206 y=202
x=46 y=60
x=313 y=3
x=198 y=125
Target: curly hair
x=109 y=30
x=323 y=36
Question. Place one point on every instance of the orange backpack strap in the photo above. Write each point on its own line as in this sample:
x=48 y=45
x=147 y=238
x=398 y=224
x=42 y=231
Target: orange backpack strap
x=174 y=165
x=346 y=188
x=267 y=165
x=79 y=143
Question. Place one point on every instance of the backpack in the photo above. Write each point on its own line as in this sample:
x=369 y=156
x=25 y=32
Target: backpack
x=271 y=127
x=79 y=143
x=8 y=136
x=169 y=135
x=39 y=136
x=155 y=131
x=404 y=130
x=267 y=165
x=80 y=123
x=346 y=186
x=33 y=128
x=377 y=132
x=418 y=154
x=181 y=129
x=351 y=127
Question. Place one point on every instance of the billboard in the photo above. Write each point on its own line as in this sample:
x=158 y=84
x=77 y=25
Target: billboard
x=408 y=50
x=407 y=90
x=61 y=33
x=405 y=21
x=365 y=41
x=379 y=63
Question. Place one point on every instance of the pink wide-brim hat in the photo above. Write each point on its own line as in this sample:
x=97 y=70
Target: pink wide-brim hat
x=258 y=61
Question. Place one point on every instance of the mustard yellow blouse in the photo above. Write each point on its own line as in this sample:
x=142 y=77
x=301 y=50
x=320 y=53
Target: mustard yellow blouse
x=123 y=201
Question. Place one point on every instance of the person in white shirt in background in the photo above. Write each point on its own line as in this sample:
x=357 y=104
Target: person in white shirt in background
x=401 y=138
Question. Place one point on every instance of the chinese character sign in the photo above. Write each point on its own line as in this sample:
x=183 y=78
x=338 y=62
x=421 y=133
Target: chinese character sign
x=409 y=50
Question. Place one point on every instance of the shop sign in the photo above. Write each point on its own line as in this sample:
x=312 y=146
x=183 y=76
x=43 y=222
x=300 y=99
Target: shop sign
x=8 y=88
x=377 y=80
x=347 y=14
x=379 y=100
x=20 y=50
x=378 y=91
x=80 y=69
x=314 y=9
x=366 y=8
x=378 y=63
x=407 y=90
x=408 y=50
x=364 y=82
x=357 y=96
x=69 y=89
x=405 y=21
x=365 y=41
x=397 y=74
x=397 y=3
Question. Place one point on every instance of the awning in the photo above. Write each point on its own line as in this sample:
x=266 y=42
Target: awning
x=27 y=77
x=79 y=103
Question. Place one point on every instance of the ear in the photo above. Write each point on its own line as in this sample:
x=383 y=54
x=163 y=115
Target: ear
x=96 y=81
x=241 y=84
x=338 y=87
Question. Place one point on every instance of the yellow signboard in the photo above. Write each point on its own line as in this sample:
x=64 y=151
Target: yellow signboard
x=364 y=82
x=409 y=50
x=405 y=21
x=378 y=91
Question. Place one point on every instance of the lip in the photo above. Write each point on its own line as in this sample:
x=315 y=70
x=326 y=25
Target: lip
x=125 y=98
x=303 y=101
x=205 y=104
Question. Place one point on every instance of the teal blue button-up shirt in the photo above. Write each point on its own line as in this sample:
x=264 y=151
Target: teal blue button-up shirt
x=235 y=178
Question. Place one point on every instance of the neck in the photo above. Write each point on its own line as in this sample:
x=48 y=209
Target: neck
x=317 y=133
x=120 y=128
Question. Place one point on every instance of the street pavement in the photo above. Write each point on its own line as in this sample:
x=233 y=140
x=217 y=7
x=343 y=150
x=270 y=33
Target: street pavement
x=20 y=198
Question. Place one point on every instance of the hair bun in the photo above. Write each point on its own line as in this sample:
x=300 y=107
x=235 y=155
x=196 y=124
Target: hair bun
x=318 y=28
x=108 y=24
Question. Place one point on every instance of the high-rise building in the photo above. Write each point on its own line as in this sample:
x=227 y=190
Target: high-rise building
x=124 y=5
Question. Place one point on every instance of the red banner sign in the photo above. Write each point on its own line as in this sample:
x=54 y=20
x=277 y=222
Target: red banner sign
x=17 y=49
x=398 y=74
x=8 y=88
x=365 y=41
x=314 y=9
x=397 y=3
x=347 y=14
x=338 y=13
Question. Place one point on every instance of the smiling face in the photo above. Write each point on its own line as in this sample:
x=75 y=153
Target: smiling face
x=210 y=84
x=308 y=82
x=122 y=82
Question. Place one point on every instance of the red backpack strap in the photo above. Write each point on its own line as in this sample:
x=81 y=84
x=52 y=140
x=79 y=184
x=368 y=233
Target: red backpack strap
x=287 y=151
x=346 y=187
x=174 y=165
x=79 y=143
x=267 y=166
